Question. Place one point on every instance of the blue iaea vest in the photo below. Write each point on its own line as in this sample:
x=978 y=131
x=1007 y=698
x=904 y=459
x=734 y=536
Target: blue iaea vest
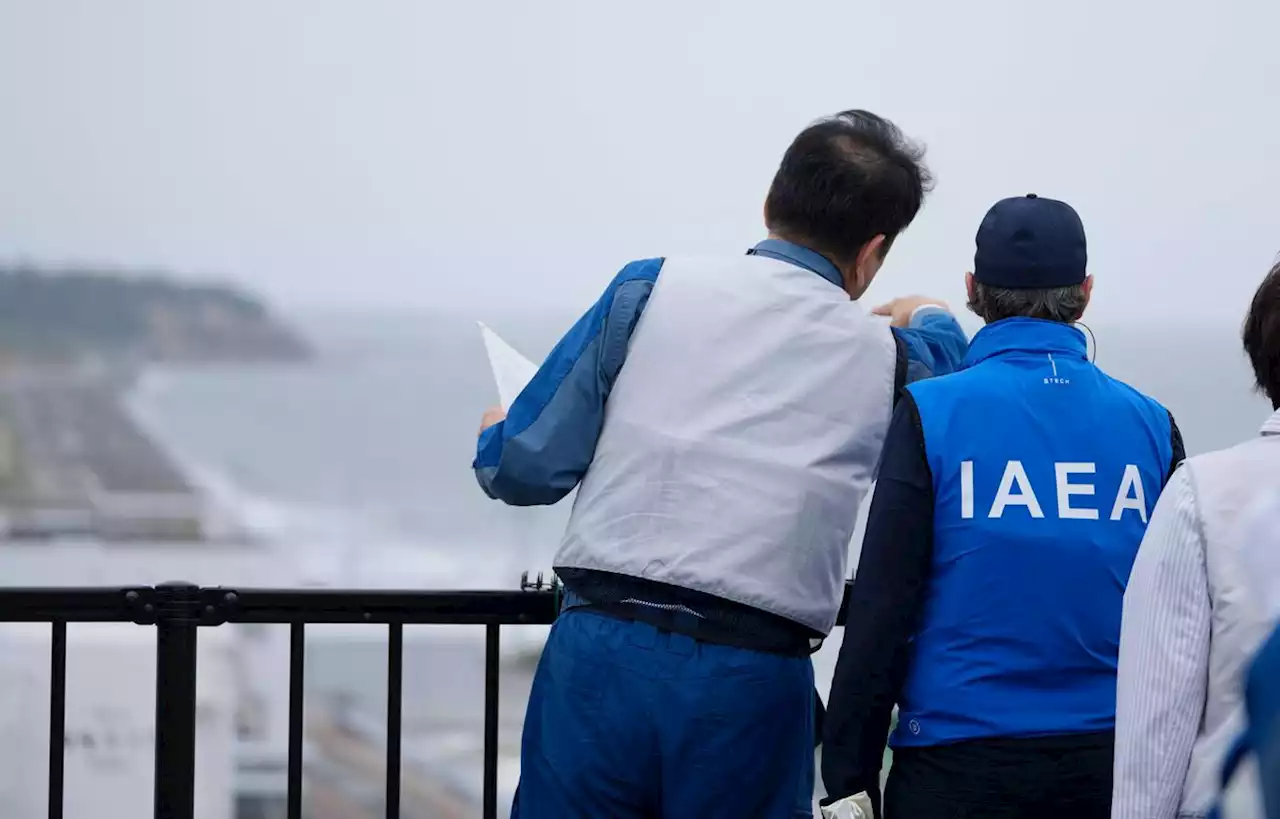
x=1045 y=473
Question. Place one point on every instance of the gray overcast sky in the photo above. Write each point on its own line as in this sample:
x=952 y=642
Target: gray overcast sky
x=417 y=153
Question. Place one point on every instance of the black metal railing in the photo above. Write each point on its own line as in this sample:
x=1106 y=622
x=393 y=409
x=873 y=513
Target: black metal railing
x=179 y=610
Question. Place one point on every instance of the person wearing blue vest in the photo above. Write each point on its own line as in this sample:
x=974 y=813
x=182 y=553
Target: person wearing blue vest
x=720 y=418
x=1010 y=501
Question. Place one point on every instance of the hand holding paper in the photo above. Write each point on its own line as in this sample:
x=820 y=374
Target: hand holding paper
x=493 y=415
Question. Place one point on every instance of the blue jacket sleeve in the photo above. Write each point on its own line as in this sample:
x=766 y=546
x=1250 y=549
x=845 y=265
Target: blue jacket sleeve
x=542 y=449
x=933 y=344
x=885 y=602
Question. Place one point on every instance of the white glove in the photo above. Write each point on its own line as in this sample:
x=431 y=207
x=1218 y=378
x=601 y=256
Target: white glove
x=857 y=806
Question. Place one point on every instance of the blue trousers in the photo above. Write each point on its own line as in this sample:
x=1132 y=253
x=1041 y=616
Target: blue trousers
x=625 y=722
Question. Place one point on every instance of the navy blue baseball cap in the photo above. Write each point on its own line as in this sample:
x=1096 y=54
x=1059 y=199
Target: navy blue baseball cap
x=1029 y=242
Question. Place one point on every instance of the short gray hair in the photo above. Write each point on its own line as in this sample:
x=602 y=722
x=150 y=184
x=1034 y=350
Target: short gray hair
x=1064 y=304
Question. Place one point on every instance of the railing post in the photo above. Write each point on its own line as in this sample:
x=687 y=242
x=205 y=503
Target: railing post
x=177 y=620
x=492 y=676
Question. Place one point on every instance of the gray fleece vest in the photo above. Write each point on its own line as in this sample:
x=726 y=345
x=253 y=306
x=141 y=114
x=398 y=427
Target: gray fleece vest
x=740 y=438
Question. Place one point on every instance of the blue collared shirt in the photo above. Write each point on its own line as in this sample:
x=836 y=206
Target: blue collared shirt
x=544 y=447
x=800 y=256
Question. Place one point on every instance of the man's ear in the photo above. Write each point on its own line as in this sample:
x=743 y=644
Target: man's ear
x=871 y=256
x=1086 y=290
x=865 y=266
x=968 y=286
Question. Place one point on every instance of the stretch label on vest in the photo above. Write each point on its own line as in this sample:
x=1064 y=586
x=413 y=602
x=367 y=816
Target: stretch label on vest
x=1073 y=490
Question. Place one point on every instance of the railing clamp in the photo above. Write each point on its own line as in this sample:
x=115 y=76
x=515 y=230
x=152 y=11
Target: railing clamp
x=180 y=603
x=538 y=584
x=554 y=586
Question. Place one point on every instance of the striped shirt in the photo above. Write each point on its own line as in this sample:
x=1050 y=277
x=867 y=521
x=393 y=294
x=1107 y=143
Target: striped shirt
x=1185 y=636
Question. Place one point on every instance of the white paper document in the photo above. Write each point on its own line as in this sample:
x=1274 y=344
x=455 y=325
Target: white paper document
x=851 y=807
x=511 y=371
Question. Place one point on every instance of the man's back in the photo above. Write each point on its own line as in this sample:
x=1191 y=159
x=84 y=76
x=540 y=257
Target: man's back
x=1045 y=472
x=738 y=440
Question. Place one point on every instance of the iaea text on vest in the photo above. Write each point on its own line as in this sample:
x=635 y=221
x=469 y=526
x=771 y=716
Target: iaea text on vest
x=1016 y=490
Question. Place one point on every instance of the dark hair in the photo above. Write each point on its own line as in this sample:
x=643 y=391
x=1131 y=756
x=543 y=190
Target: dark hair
x=844 y=180
x=1065 y=304
x=1261 y=336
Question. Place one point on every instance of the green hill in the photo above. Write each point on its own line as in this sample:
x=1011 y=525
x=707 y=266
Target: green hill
x=49 y=316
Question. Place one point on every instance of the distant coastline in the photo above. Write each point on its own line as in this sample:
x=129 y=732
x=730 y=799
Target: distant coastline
x=73 y=462
x=59 y=318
